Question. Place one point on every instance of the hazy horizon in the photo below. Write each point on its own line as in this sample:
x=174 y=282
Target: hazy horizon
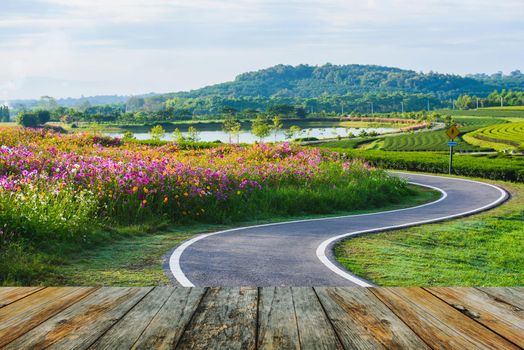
x=69 y=48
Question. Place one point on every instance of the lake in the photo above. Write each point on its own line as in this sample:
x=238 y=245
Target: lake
x=212 y=131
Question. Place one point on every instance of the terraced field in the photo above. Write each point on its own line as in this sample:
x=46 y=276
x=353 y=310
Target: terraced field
x=437 y=140
x=500 y=137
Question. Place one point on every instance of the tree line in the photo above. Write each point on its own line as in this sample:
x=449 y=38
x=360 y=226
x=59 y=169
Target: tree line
x=495 y=99
x=4 y=114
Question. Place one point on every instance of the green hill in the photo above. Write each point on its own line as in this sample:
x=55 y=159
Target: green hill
x=305 y=81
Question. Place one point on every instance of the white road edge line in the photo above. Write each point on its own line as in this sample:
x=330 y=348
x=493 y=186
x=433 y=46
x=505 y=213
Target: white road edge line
x=321 y=250
x=174 y=259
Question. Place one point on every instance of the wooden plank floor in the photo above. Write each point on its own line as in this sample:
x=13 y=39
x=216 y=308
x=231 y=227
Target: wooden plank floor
x=264 y=318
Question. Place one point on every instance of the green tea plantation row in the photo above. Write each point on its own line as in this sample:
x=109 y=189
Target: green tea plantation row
x=495 y=167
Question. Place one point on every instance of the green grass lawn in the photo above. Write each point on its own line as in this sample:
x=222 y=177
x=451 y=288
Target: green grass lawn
x=483 y=250
x=133 y=256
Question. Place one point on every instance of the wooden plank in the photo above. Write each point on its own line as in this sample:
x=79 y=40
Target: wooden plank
x=84 y=322
x=27 y=313
x=363 y=322
x=225 y=319
x=504 y=319
x=510 y=295
x=314 y=327
x=9 y=295
x=166 y=328
x=277 y=325
x=126 y=332
x=437 y=323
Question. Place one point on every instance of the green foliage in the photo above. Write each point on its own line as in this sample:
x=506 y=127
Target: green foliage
x=496 y=167
x=128 y=136
x=501 y=137
x=312 y=81
x=293 y=131
x=483 y=250
x=177 y=135
x=260 y=128
x=231 y=127
x=4 y=114
x=496 y=99
x=276 y=125
x=192 y=133
x=157 y=133
x=28 y=119
x=49 y=214
x=425 y=141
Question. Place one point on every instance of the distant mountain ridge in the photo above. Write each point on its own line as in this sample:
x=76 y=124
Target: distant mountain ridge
x=305 y=81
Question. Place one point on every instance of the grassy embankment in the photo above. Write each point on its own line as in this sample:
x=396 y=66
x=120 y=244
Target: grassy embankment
x=483 y=250
x=134 y=255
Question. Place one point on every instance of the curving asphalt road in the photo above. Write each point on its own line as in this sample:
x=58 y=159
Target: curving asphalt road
x=299 y=253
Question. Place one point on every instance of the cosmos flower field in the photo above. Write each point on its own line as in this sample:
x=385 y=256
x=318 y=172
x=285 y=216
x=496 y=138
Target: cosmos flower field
x=64 y=186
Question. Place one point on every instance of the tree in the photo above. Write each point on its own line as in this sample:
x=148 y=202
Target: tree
x=48 y=103
x=43 y=116
x=177 y=135
x=157 y=133
x=28 y=119
x=67 y=119
x=235 y=131
x=4 y=114
x=231 y=127
x=283 y=109
x=465 y=102
x=260 y=127
x=292 y=131
x=128 y=136
x=192 y=133
x=228 y=110
x=276 y=126
x=301 y=112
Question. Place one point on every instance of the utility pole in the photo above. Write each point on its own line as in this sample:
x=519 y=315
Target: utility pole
x=371 y=107
x=402 y=106
x=477 y=103
x=428 y=104
x=342 y=109
x=501 y=101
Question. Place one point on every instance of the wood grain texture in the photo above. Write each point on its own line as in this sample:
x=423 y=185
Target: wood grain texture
x=84 y=322
x=504 y=319
x=314 y=327
x=225 y=319
x=9 y=295
x=512 y=296
x=128 y=329
x=20 y=317
x=277 y=324
x=363 y=322
x=437 y=323
x=166 y=328
x=287 y=318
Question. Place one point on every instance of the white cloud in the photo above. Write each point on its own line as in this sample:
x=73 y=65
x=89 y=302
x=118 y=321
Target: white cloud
x=123 y=46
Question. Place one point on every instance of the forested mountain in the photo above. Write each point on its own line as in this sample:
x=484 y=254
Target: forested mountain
x=300 y=91
x=306 y=81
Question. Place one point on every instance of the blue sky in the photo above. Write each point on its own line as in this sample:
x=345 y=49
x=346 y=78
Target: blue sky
x=87 y=47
